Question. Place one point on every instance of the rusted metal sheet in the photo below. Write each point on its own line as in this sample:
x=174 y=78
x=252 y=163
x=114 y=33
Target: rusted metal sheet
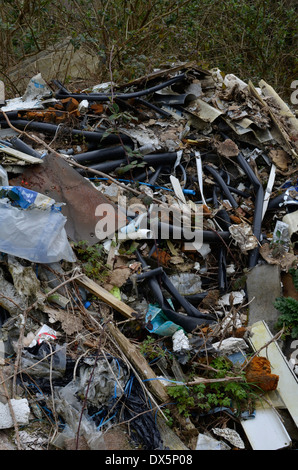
x=83 y=203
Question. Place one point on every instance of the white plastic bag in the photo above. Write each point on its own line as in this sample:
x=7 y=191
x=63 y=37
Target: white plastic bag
x=34 y=234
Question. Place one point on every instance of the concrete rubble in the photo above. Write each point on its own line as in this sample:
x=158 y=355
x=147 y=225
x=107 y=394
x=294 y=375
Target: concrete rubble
x=148 y=264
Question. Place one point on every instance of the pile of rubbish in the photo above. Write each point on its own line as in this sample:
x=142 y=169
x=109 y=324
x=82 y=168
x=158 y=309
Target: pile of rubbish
x=148 y=264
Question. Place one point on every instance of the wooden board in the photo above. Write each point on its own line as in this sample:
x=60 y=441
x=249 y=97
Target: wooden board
x=140 y=364
x=106 y=297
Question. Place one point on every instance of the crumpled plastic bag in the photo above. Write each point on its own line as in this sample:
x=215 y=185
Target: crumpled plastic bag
x=32 y=227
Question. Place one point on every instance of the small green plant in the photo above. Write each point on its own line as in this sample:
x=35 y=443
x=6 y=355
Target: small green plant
x=294 y=274
x=169 y=417
x=201 y=398
x=288 y=307
x=135 y=159
x=278 y=245
x=92 y=260
x=151 y=349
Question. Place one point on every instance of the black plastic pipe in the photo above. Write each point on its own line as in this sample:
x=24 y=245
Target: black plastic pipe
x=105 y=167
x=149 y=105
x=222 y=270
x=100 y=155
x=154 y=159
x=63 y=93
x=172 y=100
x=188 y=307
x=179 y=233
x=18 y=144
x=196 y=298
x=141 y=177
x=223 y=219
x=96 y=136
x=153 y=178
x=281 y=200
x=220 y=181
x=169 y=286
x=238 y=192
x=187 y=322
x=150 y=273
x=9 y=114
x=259 y=201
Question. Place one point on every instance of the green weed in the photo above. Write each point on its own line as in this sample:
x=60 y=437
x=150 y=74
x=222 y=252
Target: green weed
x=201 y=398
x=92 y=260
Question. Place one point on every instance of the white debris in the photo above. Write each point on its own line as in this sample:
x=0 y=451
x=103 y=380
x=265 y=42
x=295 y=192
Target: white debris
x=206 y=442
x=230 y=322
x=237 y=298
x=21 y=411
x=187 y=283
x=231 y=80
x=83 y=106
x=180 y=341
x=231 y=436
x=230 y=345
x=291 y=220
x=243 y=236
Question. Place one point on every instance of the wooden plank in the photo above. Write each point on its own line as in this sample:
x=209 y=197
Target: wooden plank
x=129 y=349
x=106 y=297
x=168 y=436
x=139 y=363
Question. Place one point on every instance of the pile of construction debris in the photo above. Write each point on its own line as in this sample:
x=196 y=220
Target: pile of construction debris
x=148 y=256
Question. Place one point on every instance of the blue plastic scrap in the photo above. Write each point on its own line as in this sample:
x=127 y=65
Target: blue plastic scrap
x=158 y=323
x=27 y=198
